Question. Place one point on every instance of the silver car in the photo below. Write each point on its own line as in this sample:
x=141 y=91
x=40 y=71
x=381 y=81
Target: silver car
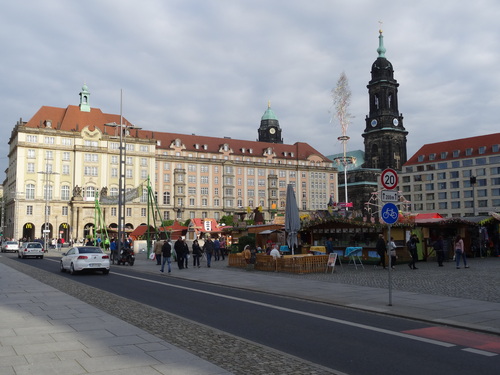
x=8 y=246
x=85 y=258
x=31 y=249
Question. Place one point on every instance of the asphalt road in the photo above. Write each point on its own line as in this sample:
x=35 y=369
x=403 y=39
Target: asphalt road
x=349 y=341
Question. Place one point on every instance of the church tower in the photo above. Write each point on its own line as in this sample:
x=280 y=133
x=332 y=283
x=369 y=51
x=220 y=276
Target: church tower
x=85 y=99
x=384 y=134
x=269 y=130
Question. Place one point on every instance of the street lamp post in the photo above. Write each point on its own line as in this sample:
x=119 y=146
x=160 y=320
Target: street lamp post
x=46 y=230
x=473 y=183
x=121 y=172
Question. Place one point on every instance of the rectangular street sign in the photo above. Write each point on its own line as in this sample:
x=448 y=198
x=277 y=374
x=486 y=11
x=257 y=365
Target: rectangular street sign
x=389 y=196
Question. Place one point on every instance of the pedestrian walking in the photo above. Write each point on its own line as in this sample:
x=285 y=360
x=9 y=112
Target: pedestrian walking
x=392 y=251
x=186 y=253
x=179 y=252
x=157 y=251
x=460 y=252
x=208 y=248
x=223 y=249
x=216 y=249
x=166 y=253
x=381 y=250
x=438 y=246
x=197 y=253
x=412 y=248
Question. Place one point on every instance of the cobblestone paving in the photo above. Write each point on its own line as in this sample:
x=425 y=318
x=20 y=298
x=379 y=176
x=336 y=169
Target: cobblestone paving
x=229 y=352
x=479 y=282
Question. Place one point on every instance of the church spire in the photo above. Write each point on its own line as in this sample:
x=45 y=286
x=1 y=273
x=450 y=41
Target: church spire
x=381 y=49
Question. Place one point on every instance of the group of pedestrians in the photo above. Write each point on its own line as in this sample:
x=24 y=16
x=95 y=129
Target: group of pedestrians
x=383 y=247
x=164 y=253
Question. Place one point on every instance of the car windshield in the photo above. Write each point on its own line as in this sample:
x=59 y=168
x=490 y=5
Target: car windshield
x=11 y=243
x=89 y=250
x=34 y=245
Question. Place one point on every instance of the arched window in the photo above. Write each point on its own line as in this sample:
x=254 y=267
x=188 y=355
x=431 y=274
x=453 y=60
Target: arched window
x=90 y=192
x=65 y=192
x=30 y=191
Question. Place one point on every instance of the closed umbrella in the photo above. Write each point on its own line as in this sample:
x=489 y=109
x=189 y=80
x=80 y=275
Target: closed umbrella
x=292 y=220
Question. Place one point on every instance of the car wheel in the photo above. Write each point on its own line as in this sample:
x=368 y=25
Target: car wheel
x=62 y=267
x=72 y=269
x=18 y=255
x=131 y=263
x=41 y=256
x=105 y=272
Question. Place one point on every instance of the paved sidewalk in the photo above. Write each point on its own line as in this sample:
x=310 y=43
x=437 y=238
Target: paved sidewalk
x=474 y=314
x=44 y=331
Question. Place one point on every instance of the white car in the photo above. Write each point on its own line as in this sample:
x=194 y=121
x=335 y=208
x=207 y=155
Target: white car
x=85 y=258
x=8 y=246
x=31 y=249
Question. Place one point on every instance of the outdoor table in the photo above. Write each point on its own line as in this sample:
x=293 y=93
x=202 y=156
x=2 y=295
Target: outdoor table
x=354 y=254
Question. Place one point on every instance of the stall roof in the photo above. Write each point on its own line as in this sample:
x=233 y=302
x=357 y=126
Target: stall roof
x=269 y=231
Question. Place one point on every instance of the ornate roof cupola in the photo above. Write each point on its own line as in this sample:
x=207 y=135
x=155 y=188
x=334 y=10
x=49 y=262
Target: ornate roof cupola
x=385 y=135
x=85 y=99
x=269 y=130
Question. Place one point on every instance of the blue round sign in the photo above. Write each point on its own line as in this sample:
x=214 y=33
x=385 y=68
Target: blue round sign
x=389 y=213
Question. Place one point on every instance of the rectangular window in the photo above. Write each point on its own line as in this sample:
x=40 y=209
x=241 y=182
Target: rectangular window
x=128 y=211
x=442 y=195
x=64 y=210
x=29 y=210
x=143 y=212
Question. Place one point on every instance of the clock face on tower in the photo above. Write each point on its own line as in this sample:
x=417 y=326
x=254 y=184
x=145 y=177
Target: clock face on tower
x=395 y=122
x=374 y=123
x=272 y=130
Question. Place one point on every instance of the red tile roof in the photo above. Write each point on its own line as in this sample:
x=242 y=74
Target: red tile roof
x=447 y=147
x=72 y=119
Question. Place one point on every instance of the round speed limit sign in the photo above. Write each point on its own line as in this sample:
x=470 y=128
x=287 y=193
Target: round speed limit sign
x=389 y=179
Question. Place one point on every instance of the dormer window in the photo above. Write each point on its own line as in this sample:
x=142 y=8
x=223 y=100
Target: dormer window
x=205 y=147
x=48 y=123
x=225 y=147
x=468 y=152
x=495 y=148
x=456 y=153
x=197 y=146
x=482 y=150
x=242 y=150
x=444 y=154
x=285 y=153
x=291 y=154
x=250 y=151
x=177 y=142
x=432 y=156
x=421 y=158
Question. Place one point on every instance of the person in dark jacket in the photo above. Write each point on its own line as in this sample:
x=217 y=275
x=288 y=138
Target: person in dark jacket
x=412 y=248
x=197 y=253
x=186 y=253
x=208 y=248
x=439 y=249
x=179 y=252
x=166 y=252
x=381 y=249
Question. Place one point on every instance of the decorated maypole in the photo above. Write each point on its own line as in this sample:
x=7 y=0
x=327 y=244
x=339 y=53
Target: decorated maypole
x=341 y=100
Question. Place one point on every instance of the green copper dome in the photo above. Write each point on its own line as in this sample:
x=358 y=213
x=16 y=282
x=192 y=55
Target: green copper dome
x=269 y=114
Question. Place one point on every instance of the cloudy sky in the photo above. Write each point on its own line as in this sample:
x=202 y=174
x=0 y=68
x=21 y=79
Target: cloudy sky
x=210 y=67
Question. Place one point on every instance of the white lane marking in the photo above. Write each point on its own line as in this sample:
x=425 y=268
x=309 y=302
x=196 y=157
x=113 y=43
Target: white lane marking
x=480 y=352
x=339 y=321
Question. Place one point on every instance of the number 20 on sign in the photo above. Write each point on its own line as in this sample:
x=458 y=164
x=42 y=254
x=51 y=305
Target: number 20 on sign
x=389 y=179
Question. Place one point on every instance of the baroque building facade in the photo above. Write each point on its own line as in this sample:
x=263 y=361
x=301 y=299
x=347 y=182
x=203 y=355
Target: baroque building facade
x=63 y=158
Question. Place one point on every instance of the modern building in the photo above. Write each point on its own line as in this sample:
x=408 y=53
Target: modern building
x=454 y=178
x=62 y=158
